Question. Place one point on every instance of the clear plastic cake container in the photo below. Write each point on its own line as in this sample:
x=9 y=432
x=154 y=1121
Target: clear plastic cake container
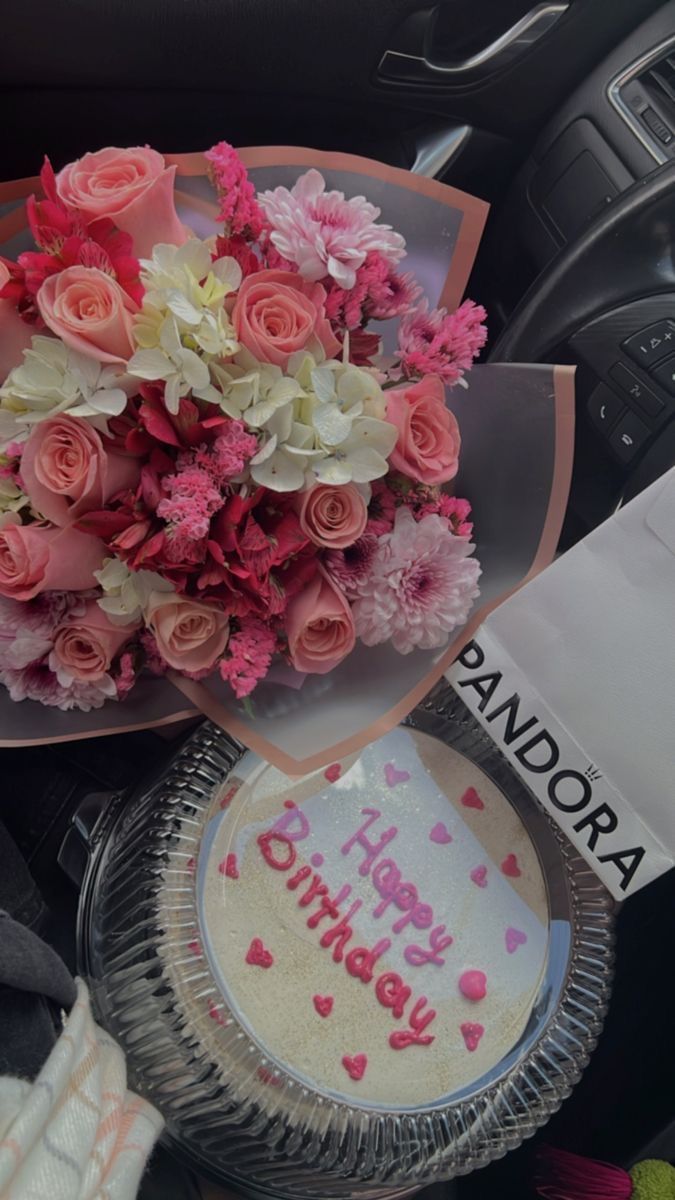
x=387 y=973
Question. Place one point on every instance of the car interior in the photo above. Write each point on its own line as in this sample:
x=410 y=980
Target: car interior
x=562 y=116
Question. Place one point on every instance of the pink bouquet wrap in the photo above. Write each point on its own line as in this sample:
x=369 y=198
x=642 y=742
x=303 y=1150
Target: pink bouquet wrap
x=242 y=470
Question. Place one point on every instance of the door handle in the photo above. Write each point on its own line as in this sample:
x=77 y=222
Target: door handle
x=398 y=67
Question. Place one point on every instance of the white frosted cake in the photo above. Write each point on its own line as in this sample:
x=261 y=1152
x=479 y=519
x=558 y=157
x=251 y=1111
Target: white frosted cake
x=380 y=928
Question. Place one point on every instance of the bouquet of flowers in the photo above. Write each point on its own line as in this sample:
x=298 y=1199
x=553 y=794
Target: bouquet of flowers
x=208 y=467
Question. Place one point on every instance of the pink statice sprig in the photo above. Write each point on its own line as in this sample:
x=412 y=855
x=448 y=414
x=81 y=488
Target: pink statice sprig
x=435 y=342
x=239 y=208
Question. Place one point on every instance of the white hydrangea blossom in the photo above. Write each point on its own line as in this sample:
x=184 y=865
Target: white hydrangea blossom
x=184 y=324
x=54 y=379
x=317 y=422
x=126 y=592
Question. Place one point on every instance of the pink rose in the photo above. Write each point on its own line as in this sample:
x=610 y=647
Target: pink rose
x=85 y=646
x=133 y=187
x=39 y=558
x=90 y=312
x=190 y=635
x=66 y=472
x=428 y=435
x=277 y=313
x=333 y=516
x=320 y=627
x=15 y=334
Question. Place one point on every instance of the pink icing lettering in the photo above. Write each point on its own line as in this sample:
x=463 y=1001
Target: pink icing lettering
x=417 y=956
x=360 y=961
x=297 y=879
x=372 y=849
x=265 y=842
x=329 y=908
x=387 y=881
x=415 y=1035
x=392 y=992
x=315 y=889
x=292 y=817
x=340 y=933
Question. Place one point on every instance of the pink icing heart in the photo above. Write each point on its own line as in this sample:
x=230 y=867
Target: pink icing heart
x=229 y=867
x=479 y=876
x=473 y=985
x=471 y=1034
x=394 y=776
x=333 y=772
x=258 y=956
x=514 y=938
x=471 y=799
x=510 y=866
x=323 y=1005
x=355 y=1067
x=440 y=834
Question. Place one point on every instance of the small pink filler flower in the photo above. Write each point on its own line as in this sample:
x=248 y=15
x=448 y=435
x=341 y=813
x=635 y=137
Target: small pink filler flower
x=440 y=343
x=323 y=233
x=421 y=585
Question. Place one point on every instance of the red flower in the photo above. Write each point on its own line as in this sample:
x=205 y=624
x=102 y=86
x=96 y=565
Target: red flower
x=237 y=247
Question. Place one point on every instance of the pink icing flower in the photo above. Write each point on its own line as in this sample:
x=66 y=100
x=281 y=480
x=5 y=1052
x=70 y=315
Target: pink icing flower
x=190 y=635
x=249 y=656
x=350 y=568
x=133 y=187
x=239 y=208
x=90 y=312
x=15 y=334
x=325 y=234
x=38 y=558
x=440 y=343
x=421 y=585
x=66 y=471
x=277 y=313
x=333 y=516
x=85 y=645
x=320 y=627
x=428 y=444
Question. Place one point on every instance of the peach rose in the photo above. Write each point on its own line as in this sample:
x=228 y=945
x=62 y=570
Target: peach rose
x=277 y=313
x=133 y=187
x=39 y=558
x=320 y=627
x=428 y=434
x=86 y=646
x=90 y=312
x=333 y=516
x=66 y=472
x=190 y=635
x=15 y=334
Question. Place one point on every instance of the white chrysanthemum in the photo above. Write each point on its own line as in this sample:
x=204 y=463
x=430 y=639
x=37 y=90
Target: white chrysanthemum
x=318 y=422
x=54 y=379
x=183 y=323
x=420 y=586
x=126 y=592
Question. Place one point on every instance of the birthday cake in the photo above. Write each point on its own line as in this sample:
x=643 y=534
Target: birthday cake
x=379 y=928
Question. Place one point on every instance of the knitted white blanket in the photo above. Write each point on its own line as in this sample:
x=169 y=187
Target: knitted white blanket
x=76 y=1133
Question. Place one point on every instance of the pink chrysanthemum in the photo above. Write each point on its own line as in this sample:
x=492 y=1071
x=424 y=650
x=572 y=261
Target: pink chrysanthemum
x=325 y=234
x=27 y=628
x=239 y=208
x=439 y=343
x=350 y=568
x=421 y=585
x=249 y=654
x=38 y=682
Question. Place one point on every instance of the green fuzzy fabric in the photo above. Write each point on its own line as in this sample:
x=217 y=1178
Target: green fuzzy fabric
x=653 y=1180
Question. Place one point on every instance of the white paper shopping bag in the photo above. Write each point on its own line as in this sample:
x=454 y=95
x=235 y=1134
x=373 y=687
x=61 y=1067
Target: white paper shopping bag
x=574 y=678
